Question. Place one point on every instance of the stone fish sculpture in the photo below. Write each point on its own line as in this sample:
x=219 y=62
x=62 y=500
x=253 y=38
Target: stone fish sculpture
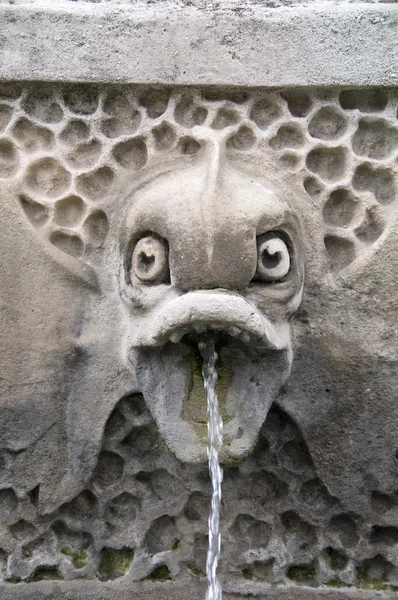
x=210 y=247
x=198 y=218
x=204 y=244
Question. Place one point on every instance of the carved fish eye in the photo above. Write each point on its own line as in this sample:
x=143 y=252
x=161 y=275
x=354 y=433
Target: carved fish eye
x=150 y=259
x=273 y=257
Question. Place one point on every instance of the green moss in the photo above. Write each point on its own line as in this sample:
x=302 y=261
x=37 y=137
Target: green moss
x=176 y=544
x=371 y=583
x=259 y=571
x=247 y=573
x=192 y=340
x=161 y=573
x=195 y=407
x=334 y=583
x=14 y=580
x=302 y=573
x=375 y=584
x=196 y=570
x=79 y=557
x=115 y=563
x=44 y=574
x=337 y=559
x=224 y=380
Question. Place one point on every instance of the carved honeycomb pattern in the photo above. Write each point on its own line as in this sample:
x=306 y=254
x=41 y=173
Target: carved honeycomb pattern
x=68 y=147
x=144 y=514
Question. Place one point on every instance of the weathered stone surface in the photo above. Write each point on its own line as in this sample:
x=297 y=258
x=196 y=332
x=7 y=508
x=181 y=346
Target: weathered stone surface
x=94 y=591
x=136 y=211
x=89 y=489
x=226 y=43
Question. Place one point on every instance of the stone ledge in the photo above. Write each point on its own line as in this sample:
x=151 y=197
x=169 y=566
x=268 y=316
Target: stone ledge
x=94 y=590
x=168 y=43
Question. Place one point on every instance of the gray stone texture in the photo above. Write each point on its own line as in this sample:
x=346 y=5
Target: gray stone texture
x=201 y=43
x=135 y=210
x=109 y=591
x=88 y=487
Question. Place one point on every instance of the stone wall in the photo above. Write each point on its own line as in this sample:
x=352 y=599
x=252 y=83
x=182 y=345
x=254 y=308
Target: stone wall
x=102 y=493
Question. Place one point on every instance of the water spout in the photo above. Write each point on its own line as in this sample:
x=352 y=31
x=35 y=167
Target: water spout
x=215 y=439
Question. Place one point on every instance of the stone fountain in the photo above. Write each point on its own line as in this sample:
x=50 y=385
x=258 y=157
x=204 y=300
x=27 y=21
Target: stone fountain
x=184 y=187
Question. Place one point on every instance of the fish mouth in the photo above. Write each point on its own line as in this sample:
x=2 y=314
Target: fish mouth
x=220 y=311
x=254 y=357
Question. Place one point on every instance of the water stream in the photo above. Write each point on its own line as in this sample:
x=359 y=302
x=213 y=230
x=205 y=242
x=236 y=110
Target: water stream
x=215 y=439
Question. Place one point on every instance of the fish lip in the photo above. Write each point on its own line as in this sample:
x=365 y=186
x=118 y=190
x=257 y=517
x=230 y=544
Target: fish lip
x=212 y=310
